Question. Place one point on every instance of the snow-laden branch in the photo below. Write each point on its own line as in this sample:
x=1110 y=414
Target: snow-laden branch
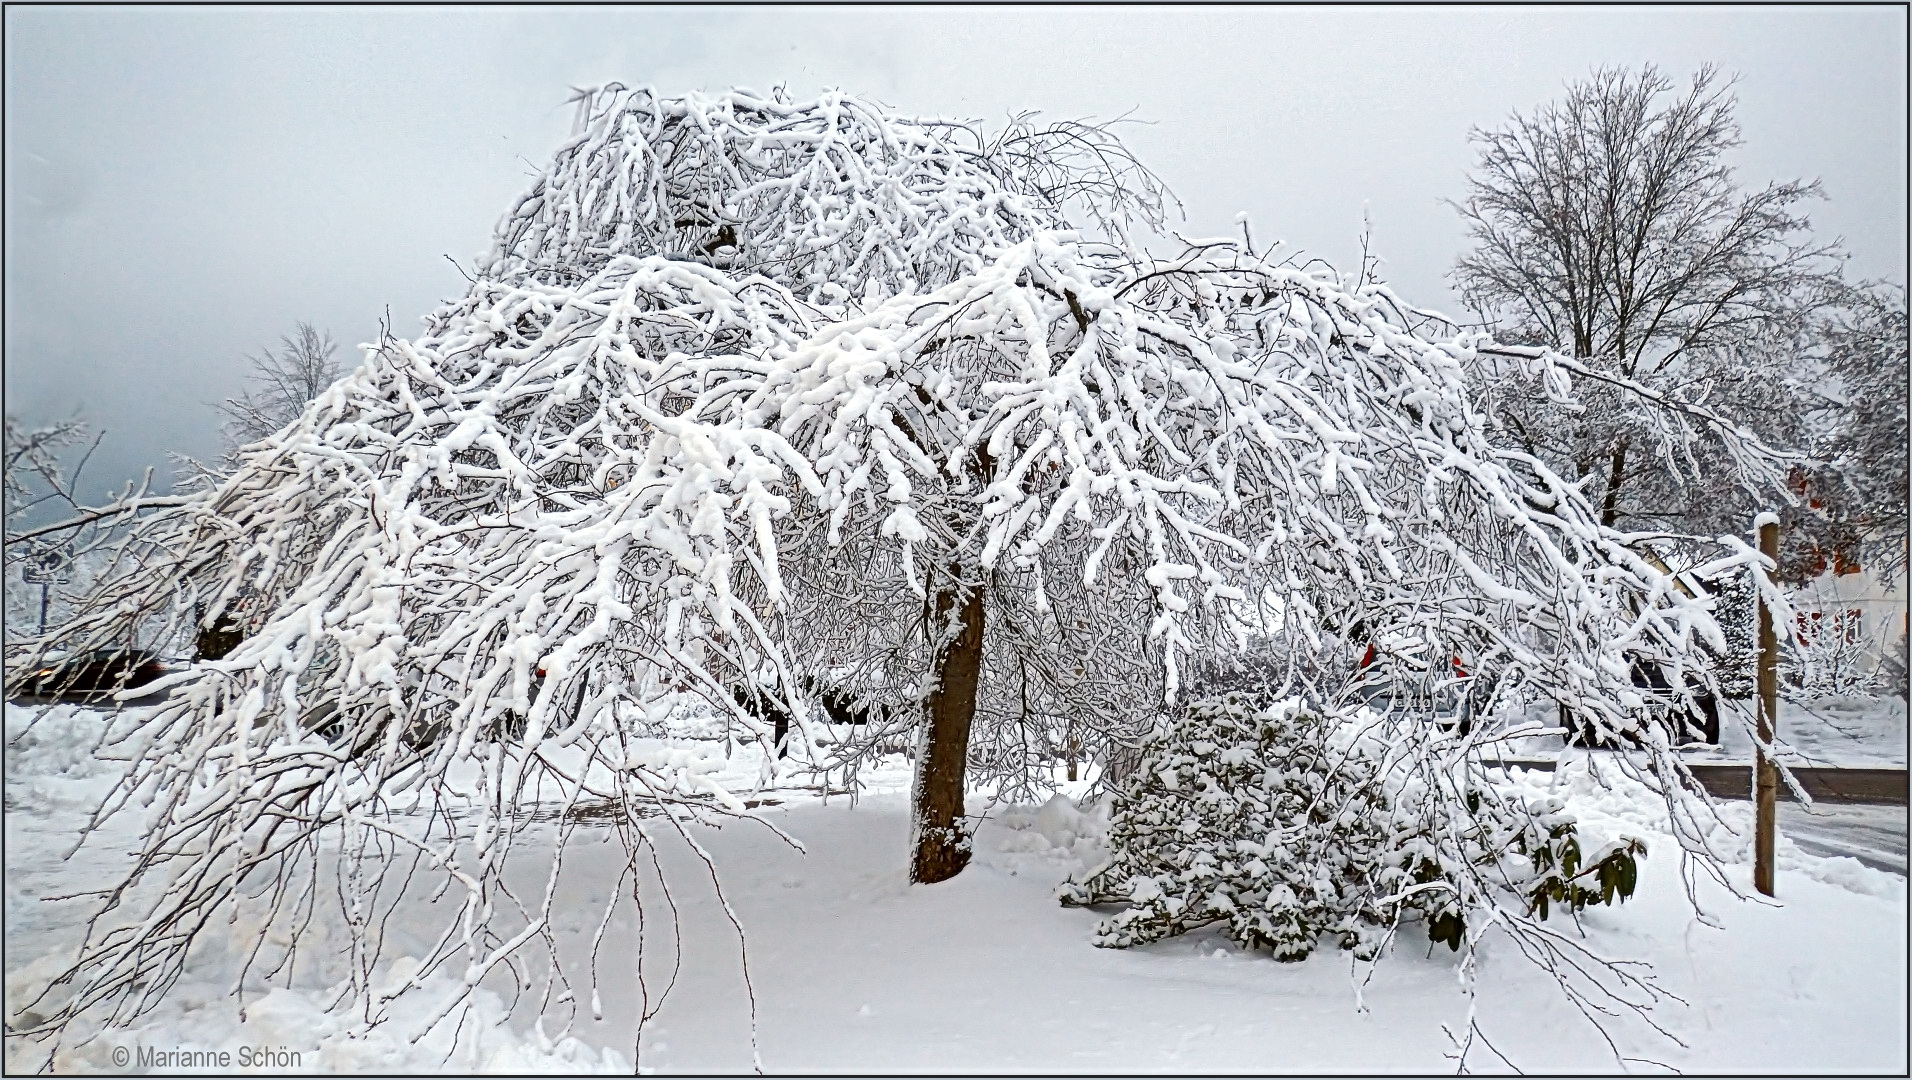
x=92 y=514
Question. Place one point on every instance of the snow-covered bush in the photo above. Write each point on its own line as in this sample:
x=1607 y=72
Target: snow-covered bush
x=1835 y=652
x=1894 y=669
x=1288 y=824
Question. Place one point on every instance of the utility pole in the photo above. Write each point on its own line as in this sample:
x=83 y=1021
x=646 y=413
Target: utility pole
x=1765 y=777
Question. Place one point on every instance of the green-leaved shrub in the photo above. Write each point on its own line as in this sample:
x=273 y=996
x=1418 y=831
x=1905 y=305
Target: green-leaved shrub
x=1287 y=825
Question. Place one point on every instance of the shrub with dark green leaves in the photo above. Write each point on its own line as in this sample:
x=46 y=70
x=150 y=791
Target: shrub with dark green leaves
x=1289 y=825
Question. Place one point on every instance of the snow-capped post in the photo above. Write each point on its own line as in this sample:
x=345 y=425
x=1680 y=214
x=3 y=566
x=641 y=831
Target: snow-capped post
x=1766 y=780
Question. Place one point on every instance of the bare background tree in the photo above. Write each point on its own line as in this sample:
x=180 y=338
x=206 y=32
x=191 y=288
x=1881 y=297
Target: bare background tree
x=35 y=475
x=37 y=483
x=280 y=384
x=1609 y=225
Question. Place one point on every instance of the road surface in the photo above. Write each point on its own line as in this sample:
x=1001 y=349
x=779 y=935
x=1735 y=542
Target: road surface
x=1875 y=835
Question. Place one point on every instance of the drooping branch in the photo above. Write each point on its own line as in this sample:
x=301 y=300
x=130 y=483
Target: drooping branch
x=90 y=515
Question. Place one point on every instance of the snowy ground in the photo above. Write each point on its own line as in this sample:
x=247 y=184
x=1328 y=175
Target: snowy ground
x=855 y=971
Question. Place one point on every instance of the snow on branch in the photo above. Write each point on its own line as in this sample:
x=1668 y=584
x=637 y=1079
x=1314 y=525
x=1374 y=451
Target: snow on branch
x=817 y=195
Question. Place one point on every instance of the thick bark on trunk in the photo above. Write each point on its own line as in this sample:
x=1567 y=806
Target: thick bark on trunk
x=941 y=846
x=1610 y=509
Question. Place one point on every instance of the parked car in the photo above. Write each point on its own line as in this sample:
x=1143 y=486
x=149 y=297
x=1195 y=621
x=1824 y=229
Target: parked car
x=1687 y=726
x=839 y=707
x=1697 y=724
x=1449 y=699
x=97 y=675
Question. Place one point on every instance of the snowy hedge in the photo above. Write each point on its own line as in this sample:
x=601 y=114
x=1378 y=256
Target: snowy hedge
x=1288 y=824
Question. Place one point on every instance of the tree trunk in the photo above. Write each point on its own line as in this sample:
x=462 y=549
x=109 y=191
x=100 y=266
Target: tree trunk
x=215 y=641
x=1610 y=508
x=941 y=847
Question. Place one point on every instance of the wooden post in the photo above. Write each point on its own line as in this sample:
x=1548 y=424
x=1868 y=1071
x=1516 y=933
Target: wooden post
x=1766 y=778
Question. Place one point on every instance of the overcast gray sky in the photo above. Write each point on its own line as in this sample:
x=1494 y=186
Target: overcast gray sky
x=184 y=185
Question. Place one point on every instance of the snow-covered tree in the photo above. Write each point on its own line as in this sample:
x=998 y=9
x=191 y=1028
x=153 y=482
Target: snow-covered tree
x=1860 y=439
x=47 y=523
x=34 y=478
x=818 y=399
